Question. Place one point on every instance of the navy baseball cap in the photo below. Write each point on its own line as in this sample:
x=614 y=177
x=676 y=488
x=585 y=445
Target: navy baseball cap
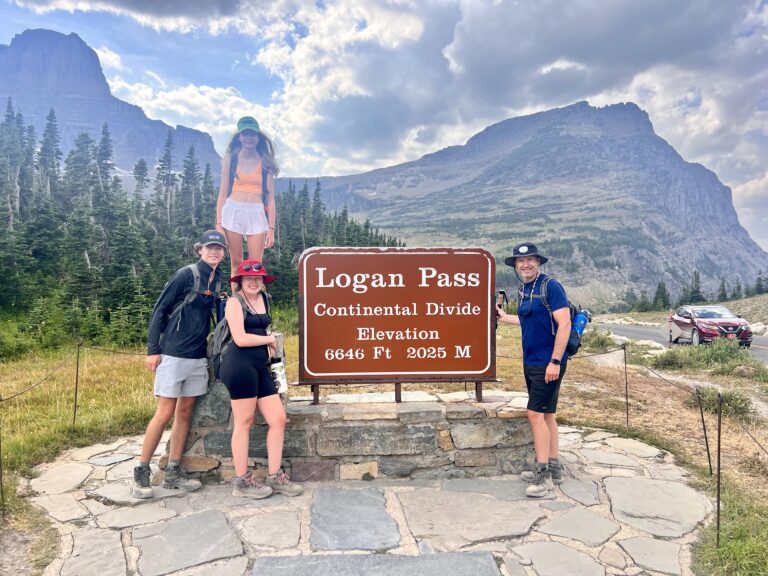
x=212 y=237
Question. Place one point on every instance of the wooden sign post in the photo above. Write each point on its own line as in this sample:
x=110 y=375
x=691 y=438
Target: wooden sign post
x=379 y=315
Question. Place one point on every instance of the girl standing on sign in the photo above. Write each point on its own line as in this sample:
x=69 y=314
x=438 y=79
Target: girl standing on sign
x=246 y=204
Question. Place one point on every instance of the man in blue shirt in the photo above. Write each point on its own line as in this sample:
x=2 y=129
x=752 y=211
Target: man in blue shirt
x=545 y=336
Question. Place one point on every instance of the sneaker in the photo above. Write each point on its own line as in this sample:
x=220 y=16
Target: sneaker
x=281 y=483
x=176 y=479
x=248 y=487
x=141 y=486
x=541 y=485
x=556 y=471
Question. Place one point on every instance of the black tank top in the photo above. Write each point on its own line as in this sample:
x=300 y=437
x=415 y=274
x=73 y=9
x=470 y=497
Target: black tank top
x=257 y=323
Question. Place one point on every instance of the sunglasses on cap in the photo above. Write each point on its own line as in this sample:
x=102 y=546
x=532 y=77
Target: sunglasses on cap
x=254 y=267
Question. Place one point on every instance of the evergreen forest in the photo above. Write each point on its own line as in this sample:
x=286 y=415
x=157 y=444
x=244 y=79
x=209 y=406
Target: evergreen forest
x=82 y=256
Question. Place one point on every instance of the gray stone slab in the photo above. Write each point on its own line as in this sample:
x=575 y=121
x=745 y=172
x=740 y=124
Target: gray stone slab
x=582 y=525
x=474 y=563
x=214 y=408
x=659 y=507
x=555 y=559
x=657 y=555
x=455 y=411
x=122 y=471
x=351 y=520
x=278 y=529
x=420 y=412
x=396 y=467
x=109 y=459
x=415 y=396
x=514 y=567
x=95 y=507
x=382 y=439
x=125 y=517
x=61 y=507
x=631 y=446
x=557 y=506
x=120 y=493
x=96 y=553
x=231 y=567
x=185 y=542
x=496 y=432
x=86 y=452
x=62 y=478
x=502 y=489
x=602 y=458
x=220 y=443
x=666 y=472
x=583 y=491
x=452 y=520
x=599 y=435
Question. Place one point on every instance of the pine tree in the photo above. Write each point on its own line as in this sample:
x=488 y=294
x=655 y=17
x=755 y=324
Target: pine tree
x=165 y=185
x=49 y=157
x=208 y=197
x=695 y=295
x=188 y=197
x=759 y=283
x=661 y=297
x=722 y=295
x=736 y=294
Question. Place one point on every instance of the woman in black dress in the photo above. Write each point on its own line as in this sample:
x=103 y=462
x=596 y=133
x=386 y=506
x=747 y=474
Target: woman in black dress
x=245 y=372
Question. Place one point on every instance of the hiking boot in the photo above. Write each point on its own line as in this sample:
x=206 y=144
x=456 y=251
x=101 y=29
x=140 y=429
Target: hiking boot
x=248 y=487
x=541 y=485
x=141 y=487
x=281 y=483
x=556 y=471
x=176 y=479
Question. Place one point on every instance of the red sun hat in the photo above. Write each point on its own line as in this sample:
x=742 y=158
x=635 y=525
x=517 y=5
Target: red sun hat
x=252 y=268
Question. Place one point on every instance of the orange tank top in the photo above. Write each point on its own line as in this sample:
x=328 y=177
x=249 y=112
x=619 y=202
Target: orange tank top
x=248 y=182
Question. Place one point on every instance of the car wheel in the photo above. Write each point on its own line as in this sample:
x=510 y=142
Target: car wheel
x=695 y=340
x=747 y=344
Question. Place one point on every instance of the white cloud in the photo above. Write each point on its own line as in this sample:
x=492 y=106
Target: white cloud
x=110 y=60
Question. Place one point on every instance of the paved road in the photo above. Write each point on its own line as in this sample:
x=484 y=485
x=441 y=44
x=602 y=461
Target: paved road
x=759 y=347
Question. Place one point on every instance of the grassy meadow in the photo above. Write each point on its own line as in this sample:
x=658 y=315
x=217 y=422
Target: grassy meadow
x=115 y=398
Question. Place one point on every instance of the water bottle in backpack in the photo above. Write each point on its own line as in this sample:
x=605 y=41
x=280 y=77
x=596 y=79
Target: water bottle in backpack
x=579 y=322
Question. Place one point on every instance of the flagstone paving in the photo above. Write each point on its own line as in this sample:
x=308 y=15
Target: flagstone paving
x=624 y=509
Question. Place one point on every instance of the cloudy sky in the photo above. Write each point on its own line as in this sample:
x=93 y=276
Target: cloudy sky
x=349 y=85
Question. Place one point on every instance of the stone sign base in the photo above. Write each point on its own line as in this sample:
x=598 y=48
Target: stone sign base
x=366 y=436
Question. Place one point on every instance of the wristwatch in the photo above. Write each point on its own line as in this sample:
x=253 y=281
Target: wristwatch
x=555 y=361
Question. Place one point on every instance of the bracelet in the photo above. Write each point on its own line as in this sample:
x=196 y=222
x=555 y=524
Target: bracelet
x=271 y=227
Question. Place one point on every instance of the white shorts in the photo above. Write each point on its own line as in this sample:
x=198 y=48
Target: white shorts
x=181 y=377
x=246 y=218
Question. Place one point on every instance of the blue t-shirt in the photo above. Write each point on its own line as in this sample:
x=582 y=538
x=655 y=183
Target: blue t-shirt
x=539 y=328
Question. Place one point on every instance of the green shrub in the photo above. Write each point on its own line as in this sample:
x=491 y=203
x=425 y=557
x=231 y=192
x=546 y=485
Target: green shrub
x=736 y=404
x=13 y=342
x=597 y=340
x=675 y=359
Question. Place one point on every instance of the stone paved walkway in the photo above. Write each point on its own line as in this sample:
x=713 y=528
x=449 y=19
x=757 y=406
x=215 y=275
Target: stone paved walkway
x=625 y=509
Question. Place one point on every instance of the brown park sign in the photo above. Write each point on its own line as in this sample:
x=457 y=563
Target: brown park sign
x=396 y=315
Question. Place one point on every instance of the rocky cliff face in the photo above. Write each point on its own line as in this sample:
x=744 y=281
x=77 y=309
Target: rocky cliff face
x=612 y=203
x=42 y=69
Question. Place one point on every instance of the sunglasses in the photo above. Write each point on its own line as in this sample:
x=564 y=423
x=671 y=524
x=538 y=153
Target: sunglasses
x=254 y=267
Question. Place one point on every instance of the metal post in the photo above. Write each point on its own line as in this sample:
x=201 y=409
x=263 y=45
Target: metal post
x=77 y=380
x=2 y=471
x=626 y=383
x=478 y=391
x=719 y=428
x=704 y=427
x=398 y=393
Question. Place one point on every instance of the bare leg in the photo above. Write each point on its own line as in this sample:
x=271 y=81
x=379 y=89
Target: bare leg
x=272 y=409
x=235 y=244
x=256 y=246
x=541 y=437
x=180 y=429
x=554 y=438
x=243 y=412
x=156 y=426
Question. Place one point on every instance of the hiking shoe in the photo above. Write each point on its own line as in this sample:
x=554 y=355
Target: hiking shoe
x=248 y=487
x=556 y=471
x=141 y=487
x=541 y=485
x=176 y=479
x=281 y=483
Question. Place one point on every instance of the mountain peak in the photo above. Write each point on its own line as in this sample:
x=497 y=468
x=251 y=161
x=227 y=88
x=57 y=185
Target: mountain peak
x=43 y=61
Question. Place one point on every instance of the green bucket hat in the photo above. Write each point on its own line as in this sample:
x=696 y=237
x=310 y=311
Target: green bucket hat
x=247 y=123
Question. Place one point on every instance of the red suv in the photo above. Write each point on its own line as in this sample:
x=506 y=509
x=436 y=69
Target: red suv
x=698 y=324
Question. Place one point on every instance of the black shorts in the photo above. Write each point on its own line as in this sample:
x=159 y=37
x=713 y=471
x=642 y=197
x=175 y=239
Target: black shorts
x=245 y=373
x=542 y=395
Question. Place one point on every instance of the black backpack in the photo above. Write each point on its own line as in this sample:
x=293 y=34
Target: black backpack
x=574 y=339
x=197 y=288
x=219 y=341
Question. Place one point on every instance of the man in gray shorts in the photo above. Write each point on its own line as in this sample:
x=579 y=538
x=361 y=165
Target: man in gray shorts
x=177 y=354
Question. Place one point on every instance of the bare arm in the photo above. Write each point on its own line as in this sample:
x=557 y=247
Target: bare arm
x=223 y=190
x=236 y=320
x=563 y=319
x=507 y=318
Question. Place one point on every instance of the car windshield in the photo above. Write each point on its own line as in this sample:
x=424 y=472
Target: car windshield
x=713 y=312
